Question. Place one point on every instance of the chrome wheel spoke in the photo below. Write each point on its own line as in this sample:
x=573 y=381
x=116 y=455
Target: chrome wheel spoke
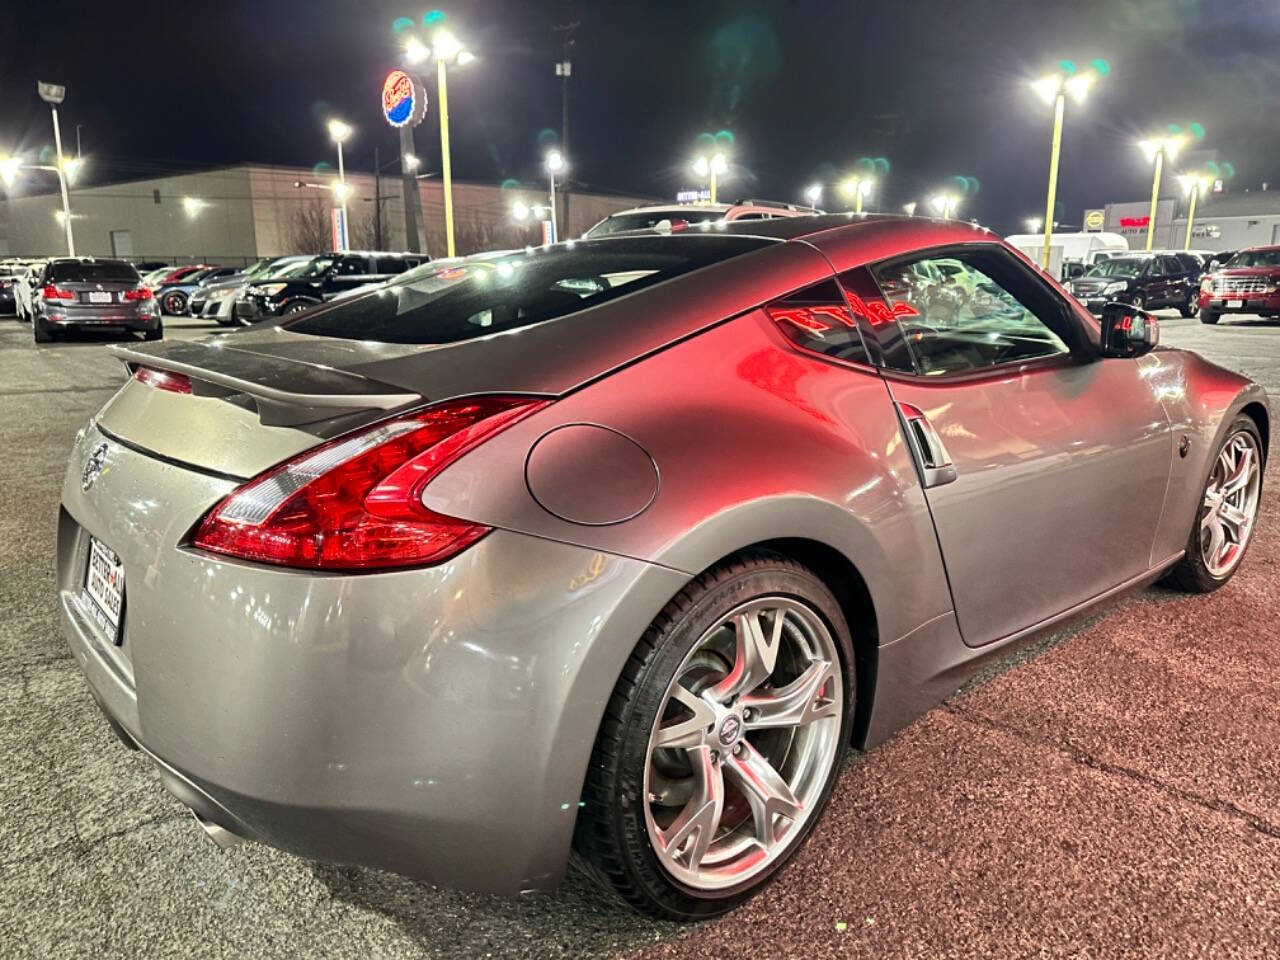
x=689 y=836
x=1235 y=521
x=756 y=653
x=766 y=792
x=1230 y=504
x=1242 y=472
x=800 y=702
x=691 y=732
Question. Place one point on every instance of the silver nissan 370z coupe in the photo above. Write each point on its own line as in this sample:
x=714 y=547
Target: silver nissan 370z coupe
x=612 y=548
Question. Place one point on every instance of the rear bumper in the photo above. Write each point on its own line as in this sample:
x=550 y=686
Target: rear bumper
x=433 y=722
x=100 y=317
x=1240 y=303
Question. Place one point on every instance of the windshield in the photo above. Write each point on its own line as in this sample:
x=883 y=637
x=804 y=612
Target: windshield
x=1118 y=267
x=283 y=271
x=101 y=272
x=1256 y=258
x=314 y=267
x=476 y=297
x=620 y=222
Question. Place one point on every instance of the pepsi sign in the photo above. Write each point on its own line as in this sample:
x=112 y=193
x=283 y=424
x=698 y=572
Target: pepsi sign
x=404 y=102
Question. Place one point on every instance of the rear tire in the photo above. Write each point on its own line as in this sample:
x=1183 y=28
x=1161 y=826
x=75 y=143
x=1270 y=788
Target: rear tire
x=1193 y=572
x=616 y=827
x=42 y=332
x=1191 y=307
x=155 y=334
x=1210 y=316
x=175 y=304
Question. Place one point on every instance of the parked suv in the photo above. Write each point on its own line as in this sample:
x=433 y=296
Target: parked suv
x=216 y=299
x=87 y=292
x=1249 y=283
x=1145 y=280
x=319 y=279
x=680 y=216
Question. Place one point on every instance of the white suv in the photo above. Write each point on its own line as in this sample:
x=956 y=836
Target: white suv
x=680 y=216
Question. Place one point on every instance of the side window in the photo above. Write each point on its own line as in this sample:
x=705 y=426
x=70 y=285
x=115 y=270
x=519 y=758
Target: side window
x=817 y=318
x=1173 y=265
x=351 y=266
x=982 y=310
x=1155 y=267
x=391 y=265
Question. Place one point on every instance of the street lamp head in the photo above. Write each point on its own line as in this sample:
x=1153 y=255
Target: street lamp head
x=1034 y=224
x=909 y=208
x=9 y=169
x=446 y=46
x=411 y=161
x=943 y=203
x=464 y=57
x=813 y=193
x=1172 y=145
x=338 y=131
x=555 y=161
x=1048 y=87
x=1169 y=145
x=1191 y=182
x=341 y=191
x=415 y=51
x=1078 y=85
x=520 y=211
x=71 y=168
x=701 y=166
x=719 y=164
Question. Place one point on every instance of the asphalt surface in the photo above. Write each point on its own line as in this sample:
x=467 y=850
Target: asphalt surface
x=1113 y=791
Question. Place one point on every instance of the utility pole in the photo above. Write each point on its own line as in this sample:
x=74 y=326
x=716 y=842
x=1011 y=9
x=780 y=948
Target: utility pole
x=563 y=70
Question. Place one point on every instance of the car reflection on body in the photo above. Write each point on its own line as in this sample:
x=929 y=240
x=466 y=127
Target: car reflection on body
x=617 y=545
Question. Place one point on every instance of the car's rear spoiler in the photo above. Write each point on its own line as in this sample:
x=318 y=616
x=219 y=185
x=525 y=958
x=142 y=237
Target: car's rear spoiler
x=284 y=392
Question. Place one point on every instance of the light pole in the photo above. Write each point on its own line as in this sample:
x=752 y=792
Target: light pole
x=857 y=187
x=53 y=94
x=1156 y=150
x=813 y=193
x=447 y=49
x=1194 y=184
x=555 y=163
x=338 y=132
x=1053 y=89
x=710 y=169
x=909 y=208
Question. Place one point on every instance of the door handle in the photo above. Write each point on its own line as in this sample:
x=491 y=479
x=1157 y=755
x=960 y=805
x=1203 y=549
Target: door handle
x=927 y=447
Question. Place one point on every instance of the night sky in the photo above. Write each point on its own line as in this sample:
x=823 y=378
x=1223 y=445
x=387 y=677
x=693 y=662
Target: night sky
x=937 y=87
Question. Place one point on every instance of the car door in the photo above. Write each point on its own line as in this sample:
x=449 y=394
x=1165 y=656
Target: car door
x=1045 y=466
x=1179 y=280
x=1154 y=283
x=349 y=272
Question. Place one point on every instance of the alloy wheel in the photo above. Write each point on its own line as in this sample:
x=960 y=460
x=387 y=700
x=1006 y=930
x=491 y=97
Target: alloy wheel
x=1230 y=504
x=744 y=743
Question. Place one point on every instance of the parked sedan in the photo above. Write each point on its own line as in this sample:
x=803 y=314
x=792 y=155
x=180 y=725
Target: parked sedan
x=216 y=299
x=173 y=295
x=89 y=293
x=1144 y=280
x=617 y=546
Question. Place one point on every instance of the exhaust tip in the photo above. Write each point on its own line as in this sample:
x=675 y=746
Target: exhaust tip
x=219 y=835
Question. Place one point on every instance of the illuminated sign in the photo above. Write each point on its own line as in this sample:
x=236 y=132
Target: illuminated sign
x=1094 y=219
x=404 y=101
x=1134 y=222
x=694 y=196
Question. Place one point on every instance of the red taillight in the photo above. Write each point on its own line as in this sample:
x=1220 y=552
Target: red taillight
x=355 y=503
x=52 y=292
x=163 y=380
x=142 y=293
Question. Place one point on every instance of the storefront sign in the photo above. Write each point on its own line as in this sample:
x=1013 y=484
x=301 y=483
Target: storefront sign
x=1094 y=219
x=404 y=101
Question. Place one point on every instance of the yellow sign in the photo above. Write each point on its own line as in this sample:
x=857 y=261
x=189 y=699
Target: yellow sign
x=1094 y=219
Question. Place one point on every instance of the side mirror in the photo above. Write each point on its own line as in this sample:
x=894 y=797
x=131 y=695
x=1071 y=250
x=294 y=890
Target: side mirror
x=1128 y=331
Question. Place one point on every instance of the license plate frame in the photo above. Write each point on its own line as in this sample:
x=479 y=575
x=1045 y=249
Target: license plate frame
x=103 y=589
x=1234 y=304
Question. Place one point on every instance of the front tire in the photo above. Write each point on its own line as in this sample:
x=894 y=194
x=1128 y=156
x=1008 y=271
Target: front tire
x=296 y=306
x=721 y=742
x=1210 y=316
x=175 y=304
x=1228 y=511
x=1191 y=307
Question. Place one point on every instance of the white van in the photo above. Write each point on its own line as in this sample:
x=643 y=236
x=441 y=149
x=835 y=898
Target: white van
x=1084 y=249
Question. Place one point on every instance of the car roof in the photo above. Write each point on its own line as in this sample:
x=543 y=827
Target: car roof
x=1262 y=247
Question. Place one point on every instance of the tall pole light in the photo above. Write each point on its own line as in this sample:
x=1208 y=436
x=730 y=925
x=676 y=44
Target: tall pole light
x=564 y=69
x=1156 y=150
x=555 y=163
x=813 y=193
x=944 y=204
x=711 y=168
x=448 y=49
x=1194 y=184
x=1053 y=89
x=857 y=188
x=339 y=132
x=53 y=94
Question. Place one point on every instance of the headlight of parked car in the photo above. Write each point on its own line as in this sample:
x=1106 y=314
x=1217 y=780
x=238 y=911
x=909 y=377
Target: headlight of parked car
x=267 y=289
x=1116 y=287
x=1206 y=285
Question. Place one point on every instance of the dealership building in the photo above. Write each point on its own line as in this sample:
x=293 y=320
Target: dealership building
x=238 y=214
x=1223 y=221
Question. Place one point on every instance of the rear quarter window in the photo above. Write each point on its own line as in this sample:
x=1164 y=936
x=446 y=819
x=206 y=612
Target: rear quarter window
x=482 y=296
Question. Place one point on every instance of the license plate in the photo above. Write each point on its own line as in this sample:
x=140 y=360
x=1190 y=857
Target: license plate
x=104 y=588
x=98 y=296
x=1235 y=303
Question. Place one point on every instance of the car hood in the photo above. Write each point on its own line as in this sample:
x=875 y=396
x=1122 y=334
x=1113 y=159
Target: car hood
x=1096 y=284
x=1270 y=272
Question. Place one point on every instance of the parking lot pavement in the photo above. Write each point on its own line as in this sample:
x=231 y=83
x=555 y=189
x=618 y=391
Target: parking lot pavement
x=1113 y=791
